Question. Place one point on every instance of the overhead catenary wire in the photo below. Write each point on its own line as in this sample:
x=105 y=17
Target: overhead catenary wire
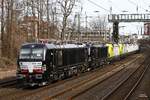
x=147 y=4
x=136 y=5
x=115 y=6
x=132 y=2
x=99 y=6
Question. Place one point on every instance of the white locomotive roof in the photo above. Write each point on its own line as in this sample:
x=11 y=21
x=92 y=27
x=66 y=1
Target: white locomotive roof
x=72 y=46
x=67 y=46
x=50 y=46
x=100 y=45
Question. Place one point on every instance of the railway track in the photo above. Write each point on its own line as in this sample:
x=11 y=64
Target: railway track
x=54 y=88
x=116 y=89
x=109 y=90
x=76 y=90
x=8 y=82
x=16 y=95
x=136 y=84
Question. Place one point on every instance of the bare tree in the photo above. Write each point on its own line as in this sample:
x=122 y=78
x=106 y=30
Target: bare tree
x=99 y=24
x=24 y=20
x=9 y=27
x=51 y=8
x=2 y=29
x=66 y=8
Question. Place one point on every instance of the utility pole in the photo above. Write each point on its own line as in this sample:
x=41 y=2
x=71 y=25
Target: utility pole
x=78 y=27
x=115 y=32
x=86 y=17
x=86 y=22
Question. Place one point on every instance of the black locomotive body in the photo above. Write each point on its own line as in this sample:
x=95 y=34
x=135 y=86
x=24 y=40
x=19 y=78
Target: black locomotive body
x=39 y=63
x=98 y=55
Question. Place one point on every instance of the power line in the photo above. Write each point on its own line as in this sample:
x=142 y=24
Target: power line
x=141 y=4
x=145 y=3
x=98 y=6
x=132 y=2
x=136 y=5
x=116 y=7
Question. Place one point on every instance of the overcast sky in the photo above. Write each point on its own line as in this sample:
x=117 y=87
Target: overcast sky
x=118 y=6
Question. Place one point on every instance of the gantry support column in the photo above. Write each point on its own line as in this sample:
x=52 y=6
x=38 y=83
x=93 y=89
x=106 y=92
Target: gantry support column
x=115 y=32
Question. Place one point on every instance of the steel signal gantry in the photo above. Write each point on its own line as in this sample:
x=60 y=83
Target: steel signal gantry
x=117 y=18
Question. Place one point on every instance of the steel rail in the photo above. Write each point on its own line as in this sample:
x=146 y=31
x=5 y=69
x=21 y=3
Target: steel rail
x=86 y=82
x=8 y=82
x=121 y=83
x=137 y=83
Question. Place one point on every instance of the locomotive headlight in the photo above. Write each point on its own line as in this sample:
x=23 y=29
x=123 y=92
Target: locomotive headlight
x=20 y=63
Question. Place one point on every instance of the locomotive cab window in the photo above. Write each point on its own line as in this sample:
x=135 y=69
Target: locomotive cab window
x=25 y=53
x=31 y=53
x=37 y=53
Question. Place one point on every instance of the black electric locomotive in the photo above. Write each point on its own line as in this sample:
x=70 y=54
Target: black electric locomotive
x=98 y=55
x=39 y=64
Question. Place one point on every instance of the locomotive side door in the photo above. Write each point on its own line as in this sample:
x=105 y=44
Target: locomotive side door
x=49 y=60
